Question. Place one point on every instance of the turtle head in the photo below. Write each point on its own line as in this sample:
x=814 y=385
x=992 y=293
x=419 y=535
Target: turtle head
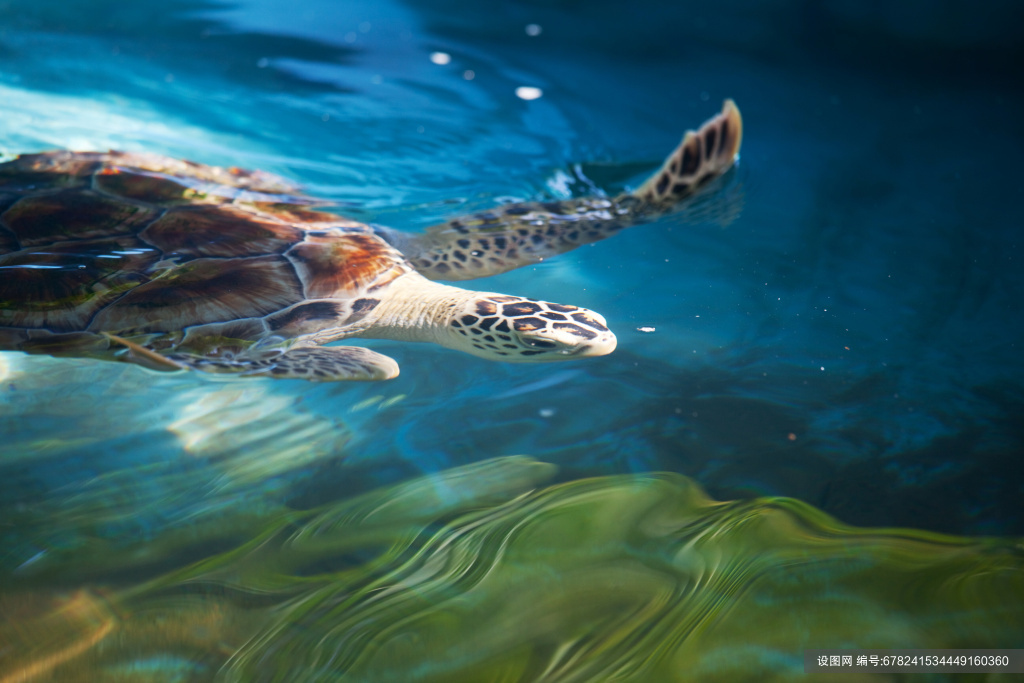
x=511 y=328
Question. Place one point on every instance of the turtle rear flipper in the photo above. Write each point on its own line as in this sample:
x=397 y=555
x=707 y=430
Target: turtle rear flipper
x=515 y=235
x=315 y=363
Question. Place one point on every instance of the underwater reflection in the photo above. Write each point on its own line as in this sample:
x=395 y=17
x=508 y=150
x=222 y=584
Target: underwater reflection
x=53 y=408
x=477 y=574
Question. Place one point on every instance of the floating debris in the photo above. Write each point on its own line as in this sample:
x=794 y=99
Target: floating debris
x=525 y=92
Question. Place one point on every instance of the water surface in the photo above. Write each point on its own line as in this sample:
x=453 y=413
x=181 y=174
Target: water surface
x=841 y=326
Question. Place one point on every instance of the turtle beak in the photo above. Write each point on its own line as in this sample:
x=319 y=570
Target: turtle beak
x=602 y=343
x=602 y=346
x=571 y=343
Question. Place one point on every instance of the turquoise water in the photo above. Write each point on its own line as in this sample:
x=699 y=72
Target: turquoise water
x=841 y=324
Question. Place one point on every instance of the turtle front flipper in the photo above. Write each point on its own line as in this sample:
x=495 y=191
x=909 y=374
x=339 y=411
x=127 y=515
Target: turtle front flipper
x=521 y=234
x=314 y=363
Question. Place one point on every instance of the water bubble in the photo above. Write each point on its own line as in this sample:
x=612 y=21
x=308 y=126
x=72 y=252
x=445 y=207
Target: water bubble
x=533 y=29
x=547 y=412
x=263 y=63
x=441 y=58
x=525 y=92
x=469 y=74
x=646 y=329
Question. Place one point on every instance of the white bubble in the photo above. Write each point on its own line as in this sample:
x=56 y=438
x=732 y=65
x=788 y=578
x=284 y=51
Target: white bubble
x=647 y=329
x=263 y=63
x=547 y=412
x=441 y=58
x=469 y=74
x=525 y=92
x=533 y=29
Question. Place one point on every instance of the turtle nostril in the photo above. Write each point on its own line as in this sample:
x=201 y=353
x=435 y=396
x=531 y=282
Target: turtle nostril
x=540 y=344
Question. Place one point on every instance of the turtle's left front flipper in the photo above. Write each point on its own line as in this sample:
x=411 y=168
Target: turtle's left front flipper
x=516 y=235
x=315 y=363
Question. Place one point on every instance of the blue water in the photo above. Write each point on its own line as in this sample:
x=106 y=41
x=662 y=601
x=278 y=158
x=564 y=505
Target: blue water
x=844 y=325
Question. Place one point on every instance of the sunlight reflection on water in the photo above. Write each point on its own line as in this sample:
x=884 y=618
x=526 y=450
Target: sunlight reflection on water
x=230 y=423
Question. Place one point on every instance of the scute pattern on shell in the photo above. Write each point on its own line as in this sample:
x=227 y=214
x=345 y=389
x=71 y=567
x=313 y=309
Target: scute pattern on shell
x=38 y=288
x=218 y=231
x=128 y=243
x=370 y=264
x=73 y=214
x=204 y=291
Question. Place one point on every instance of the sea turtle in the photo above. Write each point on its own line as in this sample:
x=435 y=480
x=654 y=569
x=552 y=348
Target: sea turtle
x=173 y=264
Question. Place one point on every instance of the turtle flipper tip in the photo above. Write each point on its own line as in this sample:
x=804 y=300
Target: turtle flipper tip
x=332 y=364
x=703 y=155
x=312 y=363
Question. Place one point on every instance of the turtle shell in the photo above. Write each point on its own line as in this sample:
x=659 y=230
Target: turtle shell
x=136 y=244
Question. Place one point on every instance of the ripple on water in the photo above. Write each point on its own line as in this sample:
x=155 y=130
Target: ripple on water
x=476 y=574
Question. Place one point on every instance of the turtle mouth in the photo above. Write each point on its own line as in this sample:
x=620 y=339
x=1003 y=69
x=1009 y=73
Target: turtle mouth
x=556 y=349
x=601 y=346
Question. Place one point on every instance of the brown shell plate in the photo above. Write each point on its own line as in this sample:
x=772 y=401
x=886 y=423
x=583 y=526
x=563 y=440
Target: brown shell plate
x=129 y=243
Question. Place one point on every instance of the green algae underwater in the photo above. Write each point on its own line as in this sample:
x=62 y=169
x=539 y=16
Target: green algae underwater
x=484 y=573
